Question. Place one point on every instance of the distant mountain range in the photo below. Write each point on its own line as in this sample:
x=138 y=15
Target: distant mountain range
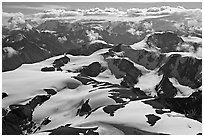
x=31 y=43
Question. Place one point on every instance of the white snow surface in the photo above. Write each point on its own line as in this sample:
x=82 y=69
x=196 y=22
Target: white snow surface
x=27 y=81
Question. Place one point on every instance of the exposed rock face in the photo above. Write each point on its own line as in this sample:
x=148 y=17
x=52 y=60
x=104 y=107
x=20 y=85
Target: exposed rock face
x=66 y=130
x=85 y=109
x=187 y=70
x=117 y=48
x=126 y=69
x=166 y=41
x=132 y=73
x=165 y=88
x=46 y=69
x=190 y=106
x=152 y=119
x=50 y=91
x=111 y=109
x=4 y=95
x=33 y=47
x=147 y=58
x=61 y=62
x=129 y=94
x=57 y=64
x=196 y=95
x=19 y=119
x=93 y=70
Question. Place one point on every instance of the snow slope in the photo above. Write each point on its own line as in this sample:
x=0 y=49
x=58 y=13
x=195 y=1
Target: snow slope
x=69 y=101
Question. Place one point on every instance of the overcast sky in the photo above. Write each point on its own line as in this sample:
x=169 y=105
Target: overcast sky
x=34 y=7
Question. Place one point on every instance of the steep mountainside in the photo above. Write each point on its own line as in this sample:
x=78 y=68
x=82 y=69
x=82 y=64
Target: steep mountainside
x=101 y=89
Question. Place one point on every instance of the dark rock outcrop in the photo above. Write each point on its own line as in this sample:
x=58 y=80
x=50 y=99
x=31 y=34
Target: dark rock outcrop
x=4 y=95
x=117 y=48
x=190 y=106
x=131 y=72
x=150 y=59
x=111 y=109
x=166 y=41
x=187 y=70
x=152 y=119
x=57 y=64
x=50 y=91
x=19 y=119
x=93 y=70
x=61 y=62
x=47 y=69
x=34 y=46
x=88 y=80
x=165 y=88
x=118 y=95
x=66 y=130
x=85 y=109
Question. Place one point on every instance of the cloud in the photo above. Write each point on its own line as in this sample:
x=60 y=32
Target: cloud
x=163 y=10
x=153 y=9
x=134 y=11
x=96 y=11
x=111 y=10
x=60 y=12
x=92 y=35
x=9 y=52
x=56 y=13
x=12 y=19
x=19 y=14
x=198 y=53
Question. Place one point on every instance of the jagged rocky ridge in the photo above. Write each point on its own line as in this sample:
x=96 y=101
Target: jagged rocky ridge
x=54 y=37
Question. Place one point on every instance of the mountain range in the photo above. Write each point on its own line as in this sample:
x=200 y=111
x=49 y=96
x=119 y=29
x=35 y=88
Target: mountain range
x=83 y=72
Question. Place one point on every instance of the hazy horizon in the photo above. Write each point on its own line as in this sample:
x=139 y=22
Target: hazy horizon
x=34 y=7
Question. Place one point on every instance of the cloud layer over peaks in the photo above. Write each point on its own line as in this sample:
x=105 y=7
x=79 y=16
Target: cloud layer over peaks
x=97 y=12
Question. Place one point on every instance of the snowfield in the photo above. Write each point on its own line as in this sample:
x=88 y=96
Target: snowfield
x=109 y=107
